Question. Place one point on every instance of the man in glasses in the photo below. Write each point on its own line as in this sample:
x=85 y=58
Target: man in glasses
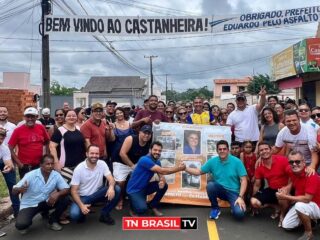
x=305 y=116
x=315 y=115
x=244 y=119
x=96 y=131
x=295 y=136
x=30 y=138
x=306 y=200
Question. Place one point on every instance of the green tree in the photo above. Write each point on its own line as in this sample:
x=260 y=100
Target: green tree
x=262 y=80
x=57 y=89
x=190 y=94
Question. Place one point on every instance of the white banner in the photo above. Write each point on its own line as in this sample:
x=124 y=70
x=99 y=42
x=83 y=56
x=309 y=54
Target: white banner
x=146 y=26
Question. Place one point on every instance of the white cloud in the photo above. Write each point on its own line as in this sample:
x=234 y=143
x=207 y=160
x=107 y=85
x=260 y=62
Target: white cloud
x=74 y=69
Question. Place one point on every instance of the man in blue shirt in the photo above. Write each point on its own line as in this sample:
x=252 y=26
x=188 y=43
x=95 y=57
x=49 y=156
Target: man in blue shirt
x=229 y=181
x=139 y=185
x=43 y=189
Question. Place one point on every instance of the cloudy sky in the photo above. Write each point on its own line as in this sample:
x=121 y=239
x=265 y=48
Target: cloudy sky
x=190 y=61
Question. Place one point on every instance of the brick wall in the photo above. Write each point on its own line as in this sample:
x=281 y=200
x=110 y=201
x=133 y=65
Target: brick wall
x=16 y=100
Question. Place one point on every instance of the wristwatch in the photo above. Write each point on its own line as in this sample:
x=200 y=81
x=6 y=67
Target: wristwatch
x=240 y=196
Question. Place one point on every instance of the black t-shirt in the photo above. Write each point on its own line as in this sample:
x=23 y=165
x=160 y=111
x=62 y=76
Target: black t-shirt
x=47 y=123
x=136 y=151
x=72 y=146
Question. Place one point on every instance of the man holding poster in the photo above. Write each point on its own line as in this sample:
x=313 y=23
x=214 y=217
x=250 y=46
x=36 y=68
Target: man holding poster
x=229 y=181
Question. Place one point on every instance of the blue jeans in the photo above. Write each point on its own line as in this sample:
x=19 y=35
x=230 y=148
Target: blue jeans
x=215 y=190
x=98 y=196
x=138 y=200
x=10 y=179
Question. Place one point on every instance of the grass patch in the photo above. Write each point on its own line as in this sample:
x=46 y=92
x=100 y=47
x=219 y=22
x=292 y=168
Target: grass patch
x=3 y=187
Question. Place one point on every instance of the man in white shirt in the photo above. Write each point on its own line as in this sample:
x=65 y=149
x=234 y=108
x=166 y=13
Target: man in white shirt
x=299 y=138
x=305 y=117
x=87 y=188
x=244 y=118
x=8 y=172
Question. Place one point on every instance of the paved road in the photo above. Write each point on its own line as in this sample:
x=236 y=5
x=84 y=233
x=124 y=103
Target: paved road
x=261 y=227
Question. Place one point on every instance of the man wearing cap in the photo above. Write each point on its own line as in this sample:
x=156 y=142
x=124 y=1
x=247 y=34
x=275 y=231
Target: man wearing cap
x=150 y=115
x=96 y=130
x=110 y=110
x=133 y=148
x=30 y=138
x=244 y=118
x=4 y=123
x=46 y=120
x=8 y=172
x=139 y=185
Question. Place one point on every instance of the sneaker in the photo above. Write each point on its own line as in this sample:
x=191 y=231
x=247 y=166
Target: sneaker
x=55 y=226
x=2 y=234
x=214 y=213
x=106 y=219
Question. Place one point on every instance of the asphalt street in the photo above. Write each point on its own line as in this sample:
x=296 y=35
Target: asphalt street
x=260 y=227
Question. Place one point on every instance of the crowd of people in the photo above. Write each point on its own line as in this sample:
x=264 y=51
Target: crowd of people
x=101 y=154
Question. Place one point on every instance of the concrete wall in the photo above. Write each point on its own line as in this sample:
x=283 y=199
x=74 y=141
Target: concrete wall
x=57 y=102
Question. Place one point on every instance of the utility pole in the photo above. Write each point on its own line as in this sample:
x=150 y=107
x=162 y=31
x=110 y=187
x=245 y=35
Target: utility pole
x=166 y=87
x=46 y=9
x=151 y=75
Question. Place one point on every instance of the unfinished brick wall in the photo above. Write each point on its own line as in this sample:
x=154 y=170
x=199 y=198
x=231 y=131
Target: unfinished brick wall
x=16 y=100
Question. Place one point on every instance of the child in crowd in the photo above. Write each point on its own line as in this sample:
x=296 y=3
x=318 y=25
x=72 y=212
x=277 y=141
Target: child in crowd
x=249 y=158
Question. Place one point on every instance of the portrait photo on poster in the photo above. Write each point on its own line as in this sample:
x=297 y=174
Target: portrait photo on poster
x=192 y=142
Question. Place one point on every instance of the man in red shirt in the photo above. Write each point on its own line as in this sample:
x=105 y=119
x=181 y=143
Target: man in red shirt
x=273 y=169
x=306 y=199
x=96 y=130
x=30 y=138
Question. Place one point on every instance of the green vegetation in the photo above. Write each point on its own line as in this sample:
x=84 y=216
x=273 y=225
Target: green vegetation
x=57 y=89
x=262 y=80
x=3 y=187
x=189 y=95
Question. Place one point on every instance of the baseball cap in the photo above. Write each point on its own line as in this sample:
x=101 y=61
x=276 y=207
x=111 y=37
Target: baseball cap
x=146 y=128
x=96 y=106
x=31 y=111
x=46 y=111
x=241 y=95
x=111 y=103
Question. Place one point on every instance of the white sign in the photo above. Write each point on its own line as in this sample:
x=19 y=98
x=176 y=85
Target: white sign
x=140 y=26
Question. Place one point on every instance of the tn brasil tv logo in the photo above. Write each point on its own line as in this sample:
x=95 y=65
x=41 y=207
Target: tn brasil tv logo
x=159 y=223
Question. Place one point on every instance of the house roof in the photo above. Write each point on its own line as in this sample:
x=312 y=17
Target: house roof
x=109 y=84
x=230 y=80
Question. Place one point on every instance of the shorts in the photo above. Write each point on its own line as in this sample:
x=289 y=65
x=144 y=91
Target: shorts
x=121 y=171
x=292 y=220
x=267 y=196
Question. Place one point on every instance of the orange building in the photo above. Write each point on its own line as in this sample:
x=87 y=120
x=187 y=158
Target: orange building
x=224 y=90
